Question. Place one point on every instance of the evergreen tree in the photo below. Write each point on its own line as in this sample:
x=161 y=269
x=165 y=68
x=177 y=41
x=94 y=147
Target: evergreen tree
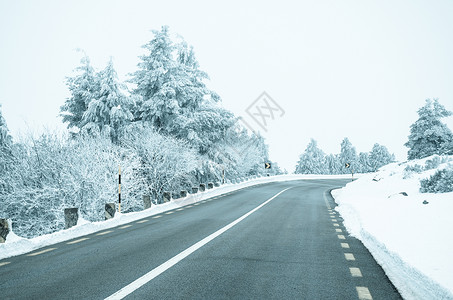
x=363 y=163
x=5 y=138
x=83 y=88
x=428 y=134
x=109 y=111
x=379 y=156
x=156 y=81
x=333 y=165
x=348 y=155
x=312 y=160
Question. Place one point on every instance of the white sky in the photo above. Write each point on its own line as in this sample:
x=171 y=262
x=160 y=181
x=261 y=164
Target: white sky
x=359 y=69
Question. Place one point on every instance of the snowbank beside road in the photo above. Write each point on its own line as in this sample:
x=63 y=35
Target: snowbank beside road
x=412 y=241
x=16 y=245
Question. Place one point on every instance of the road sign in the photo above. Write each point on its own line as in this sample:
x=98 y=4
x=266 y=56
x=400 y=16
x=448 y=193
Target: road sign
x=267 y=165
x=347 y=165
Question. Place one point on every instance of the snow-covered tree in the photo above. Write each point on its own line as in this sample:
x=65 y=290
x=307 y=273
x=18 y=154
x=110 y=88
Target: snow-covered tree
x=5 y=137
x=109 y=111
x=348 y=155
x=156 y=81
x=333 y=164
x=428 y=134
x=363 y=163
x=379 y=156
x=83 y=88
x=312 y=161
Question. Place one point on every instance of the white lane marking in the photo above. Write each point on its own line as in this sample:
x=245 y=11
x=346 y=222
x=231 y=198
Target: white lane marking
x=364 y=293
x=332 y=217
x=198 y=203
x=349 y=256
x=105 y=232
x=179 y=209
x=189 y=206
x=334 y=220
x=336 y=224
x=355 y=272
x=338 y=230
x=169 y=213
x=345 y=245
x=157 y=217
x=128 y=289
x=77 y=241
x=341 y=237
x=327 y=202
x=125 y=226
x=41 y=252
x=144 y=221
x=5 y=263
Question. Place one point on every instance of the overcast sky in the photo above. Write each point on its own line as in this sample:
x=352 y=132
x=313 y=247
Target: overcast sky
x=357 y=69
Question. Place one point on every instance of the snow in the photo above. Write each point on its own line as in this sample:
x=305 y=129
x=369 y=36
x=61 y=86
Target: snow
x=16 y=245
x=410 y=240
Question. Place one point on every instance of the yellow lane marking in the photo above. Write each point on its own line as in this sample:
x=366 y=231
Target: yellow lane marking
x=189 y=206
x=5 y=263
x=364 y=293
x=334 y=220
x=355 y=272
x=341 y=237
x=179 y=209
x=77 y=241
x=344 y=245
x=125 y=226
x=41 y=252
x=157 y=217
x=169 y=213
x=105 y=232
x=349 y=256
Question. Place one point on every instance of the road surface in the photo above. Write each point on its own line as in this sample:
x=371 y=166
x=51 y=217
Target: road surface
x=273 y=241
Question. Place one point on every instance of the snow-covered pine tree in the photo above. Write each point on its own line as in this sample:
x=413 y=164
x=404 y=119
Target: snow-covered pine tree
x=333 y=165
x=428 y=134
x=83 y=88
x=110 y=110
x=363 y=163
x=156 y=81
x=5 y=137
x=312 y=160
x=379 y=156
x=348 y=155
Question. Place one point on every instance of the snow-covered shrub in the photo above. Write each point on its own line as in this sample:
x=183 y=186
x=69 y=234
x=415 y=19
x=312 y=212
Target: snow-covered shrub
x=433 y=163
x=440 y=182
x=411 y=169
x=51 y=173
x=164 y=163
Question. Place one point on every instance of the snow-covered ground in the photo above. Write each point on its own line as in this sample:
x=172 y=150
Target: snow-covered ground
x=16 y=245
x=412 y=241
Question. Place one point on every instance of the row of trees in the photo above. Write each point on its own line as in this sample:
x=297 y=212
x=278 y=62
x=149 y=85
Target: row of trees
x=166 y=130
x=315 y=161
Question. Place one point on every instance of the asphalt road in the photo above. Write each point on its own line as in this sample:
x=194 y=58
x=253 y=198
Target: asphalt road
x=247 y=244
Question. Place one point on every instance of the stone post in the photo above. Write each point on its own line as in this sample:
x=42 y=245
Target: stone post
x=4 y=230
x=183 y=194
x=146 y=201
x=71 y=216
x=194 y=190
x=167 y=196
x=210 y=185
x=202 y=187
x=109 y=210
